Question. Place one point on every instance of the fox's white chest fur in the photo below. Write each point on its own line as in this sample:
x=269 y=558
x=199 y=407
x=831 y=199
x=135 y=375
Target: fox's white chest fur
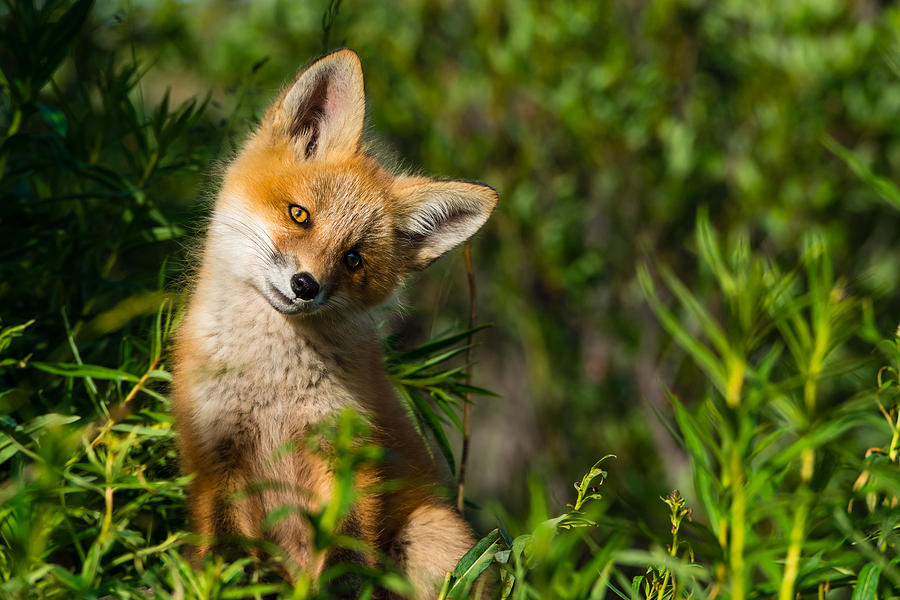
x=265 y=378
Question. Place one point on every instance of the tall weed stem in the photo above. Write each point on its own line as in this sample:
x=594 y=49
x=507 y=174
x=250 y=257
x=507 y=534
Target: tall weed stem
x=738 y=524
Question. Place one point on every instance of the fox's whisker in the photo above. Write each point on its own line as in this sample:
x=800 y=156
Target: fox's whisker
x=262 y=249
x=261 y=235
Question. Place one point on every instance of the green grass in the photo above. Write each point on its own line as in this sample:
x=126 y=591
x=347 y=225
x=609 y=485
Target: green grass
x=782 y=391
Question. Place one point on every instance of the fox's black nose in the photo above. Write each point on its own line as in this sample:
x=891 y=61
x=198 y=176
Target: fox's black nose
x=304 y=285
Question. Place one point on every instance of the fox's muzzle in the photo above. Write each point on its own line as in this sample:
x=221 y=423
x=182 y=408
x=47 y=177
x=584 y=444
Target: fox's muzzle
x=304 y=286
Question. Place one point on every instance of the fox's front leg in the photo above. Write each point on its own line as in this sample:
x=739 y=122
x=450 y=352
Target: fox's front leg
x=291 y=489
x=429 y=544
x=219 y=519
x=208 y=512
x=203 y=513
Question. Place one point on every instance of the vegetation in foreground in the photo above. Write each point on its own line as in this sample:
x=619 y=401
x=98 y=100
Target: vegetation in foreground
x=791 y=427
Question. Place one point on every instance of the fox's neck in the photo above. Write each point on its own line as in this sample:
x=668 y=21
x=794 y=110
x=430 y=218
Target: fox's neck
x=258 y=377
x=239 y=323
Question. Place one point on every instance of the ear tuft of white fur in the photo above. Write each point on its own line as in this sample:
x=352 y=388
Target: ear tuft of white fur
x=324 y=110
x=435 y=216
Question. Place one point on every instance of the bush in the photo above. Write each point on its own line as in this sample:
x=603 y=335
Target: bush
x=617 y=135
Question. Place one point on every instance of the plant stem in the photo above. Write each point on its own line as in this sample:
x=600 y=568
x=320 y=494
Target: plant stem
x=467 y=406
x=736 y=372
x=108 y=500
x=807 y=465
x=673 y=552
x=895 y=440
x=15 y=123
x=792 y=560
x=111 y=420
x=738 y=522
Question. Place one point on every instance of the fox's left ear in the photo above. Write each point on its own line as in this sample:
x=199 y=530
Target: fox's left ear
x=324 y=110
x=434 y=216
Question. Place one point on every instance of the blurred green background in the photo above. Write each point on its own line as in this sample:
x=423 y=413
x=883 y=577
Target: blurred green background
x=604 y=126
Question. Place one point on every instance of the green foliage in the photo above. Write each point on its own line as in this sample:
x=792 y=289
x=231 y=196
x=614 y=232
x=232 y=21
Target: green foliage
x=93 y=502
x=541 y=560
x=772 y=469
x=88 y=505
x=604 y=126
x=662 y=582
x=425 y=374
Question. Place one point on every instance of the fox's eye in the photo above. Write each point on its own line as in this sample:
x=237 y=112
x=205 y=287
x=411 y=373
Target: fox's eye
x=299 y=214
x=353 y=260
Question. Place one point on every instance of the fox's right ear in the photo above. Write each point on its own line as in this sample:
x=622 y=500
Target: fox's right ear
x=323 y=111
x=433 y=216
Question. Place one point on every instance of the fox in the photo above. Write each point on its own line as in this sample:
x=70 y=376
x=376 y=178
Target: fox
x=308 y=234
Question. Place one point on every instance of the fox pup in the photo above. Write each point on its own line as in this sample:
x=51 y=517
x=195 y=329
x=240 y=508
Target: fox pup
x=308 y=234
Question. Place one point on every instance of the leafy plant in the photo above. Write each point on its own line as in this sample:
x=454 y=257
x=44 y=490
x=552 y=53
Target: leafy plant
x=786 y=431
x=765 y=439
x=432 y=388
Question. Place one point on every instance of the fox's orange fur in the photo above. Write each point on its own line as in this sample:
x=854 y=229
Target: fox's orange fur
x=262 y=354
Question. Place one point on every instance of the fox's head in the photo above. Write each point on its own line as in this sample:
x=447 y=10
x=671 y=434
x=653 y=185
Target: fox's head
x=311 y=221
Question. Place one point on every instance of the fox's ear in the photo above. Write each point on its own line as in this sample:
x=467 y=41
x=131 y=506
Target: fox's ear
x=323 y=111
x=434 y=216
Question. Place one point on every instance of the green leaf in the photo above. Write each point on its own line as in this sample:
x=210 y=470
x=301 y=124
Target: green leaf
x=8 y=448
x=473 y=564
x=433 y=422
x=59 y=36
x=8 y=334
x=469 y=558
x=866 y=587
x=76 y=370
x=54 y=118
x=704 y=358
x=474 y=390
x=695 y=309
x=636 y=584
x=435 y=345
x=885 y=188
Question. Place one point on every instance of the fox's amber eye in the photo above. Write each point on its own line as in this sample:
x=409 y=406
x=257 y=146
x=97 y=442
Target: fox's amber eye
x=299 y=214
x=353 y=260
